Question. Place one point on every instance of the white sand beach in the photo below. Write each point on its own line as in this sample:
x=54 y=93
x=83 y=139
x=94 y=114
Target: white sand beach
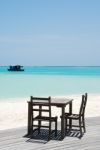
x=14 y=112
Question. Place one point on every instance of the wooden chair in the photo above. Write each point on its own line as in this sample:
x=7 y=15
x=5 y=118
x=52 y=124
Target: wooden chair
x=79 y=117
x=41 y=105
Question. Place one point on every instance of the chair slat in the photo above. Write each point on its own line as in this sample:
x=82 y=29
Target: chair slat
x=41 y=126
x=44 y=110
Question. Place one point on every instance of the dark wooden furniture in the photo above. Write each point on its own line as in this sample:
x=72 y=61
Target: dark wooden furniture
x=57 y=102
x=40 y=106
x=79 y=117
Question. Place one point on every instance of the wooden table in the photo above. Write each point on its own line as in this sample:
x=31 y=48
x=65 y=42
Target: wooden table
x=58 y=102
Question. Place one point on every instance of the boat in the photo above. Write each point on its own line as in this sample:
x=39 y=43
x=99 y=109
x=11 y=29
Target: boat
x=15 y=68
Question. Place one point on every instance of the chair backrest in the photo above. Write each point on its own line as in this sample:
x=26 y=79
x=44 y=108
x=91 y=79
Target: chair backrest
x=42 y=103
x=83 y=104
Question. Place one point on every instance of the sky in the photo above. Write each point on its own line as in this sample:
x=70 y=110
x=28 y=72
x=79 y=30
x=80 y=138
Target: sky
x=50 y=32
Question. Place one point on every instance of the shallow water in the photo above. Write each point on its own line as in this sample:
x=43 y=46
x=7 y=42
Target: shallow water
x=37 y=85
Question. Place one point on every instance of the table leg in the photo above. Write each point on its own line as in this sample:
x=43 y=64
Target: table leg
x=70 y=111
x=63 y=123
x=39 y=122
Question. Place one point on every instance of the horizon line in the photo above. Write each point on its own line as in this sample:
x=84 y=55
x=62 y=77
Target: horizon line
x=52 y=66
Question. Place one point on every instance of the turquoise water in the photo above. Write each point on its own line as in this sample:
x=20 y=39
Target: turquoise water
x=39 y=81
x=91 y=71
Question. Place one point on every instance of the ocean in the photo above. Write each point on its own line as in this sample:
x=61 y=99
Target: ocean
x=49 y=81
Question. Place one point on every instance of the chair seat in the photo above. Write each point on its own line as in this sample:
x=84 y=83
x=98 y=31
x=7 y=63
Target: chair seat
x=42 y=118
x=72 y=116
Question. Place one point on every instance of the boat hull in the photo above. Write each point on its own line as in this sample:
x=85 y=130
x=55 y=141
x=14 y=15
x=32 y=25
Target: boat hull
x=15 y=70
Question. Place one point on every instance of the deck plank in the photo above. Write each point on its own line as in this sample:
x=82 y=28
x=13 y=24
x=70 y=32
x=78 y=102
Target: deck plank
x=13 y=139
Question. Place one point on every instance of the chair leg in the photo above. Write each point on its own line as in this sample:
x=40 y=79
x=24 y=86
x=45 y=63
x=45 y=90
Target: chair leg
x=32 y=127
x=56 y=127
x=39 y=125
x=70 y=124
x=84 y=124
x=80 y=127
x=49 y=131
x=66 y=125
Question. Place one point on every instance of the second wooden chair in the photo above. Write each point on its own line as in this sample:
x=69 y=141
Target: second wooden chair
x=80 y=117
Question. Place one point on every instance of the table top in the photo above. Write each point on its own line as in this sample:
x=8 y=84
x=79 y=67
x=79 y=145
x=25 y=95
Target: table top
x=59 y=101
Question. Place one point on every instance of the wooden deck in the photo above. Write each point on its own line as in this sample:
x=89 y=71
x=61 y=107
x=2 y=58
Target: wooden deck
x=13 y=139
